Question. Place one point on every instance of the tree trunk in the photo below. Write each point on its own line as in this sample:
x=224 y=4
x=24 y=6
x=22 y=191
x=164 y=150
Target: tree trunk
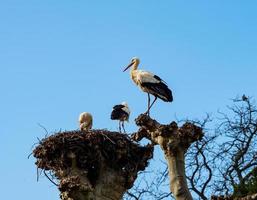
x=178 y=183
x=174 y=142
x=109 y=188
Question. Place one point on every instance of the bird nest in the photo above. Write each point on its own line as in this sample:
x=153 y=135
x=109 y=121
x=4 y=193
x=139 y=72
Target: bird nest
x=90 y=150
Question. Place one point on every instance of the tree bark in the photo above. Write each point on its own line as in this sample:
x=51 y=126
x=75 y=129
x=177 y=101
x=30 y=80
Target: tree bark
x=109 y=187
x=174 y=142
x=178 y=184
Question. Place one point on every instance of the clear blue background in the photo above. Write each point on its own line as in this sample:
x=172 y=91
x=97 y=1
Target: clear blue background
x=60 y=58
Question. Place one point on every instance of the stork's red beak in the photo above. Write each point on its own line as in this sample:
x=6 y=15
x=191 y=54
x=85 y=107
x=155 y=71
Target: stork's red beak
x=128 y=66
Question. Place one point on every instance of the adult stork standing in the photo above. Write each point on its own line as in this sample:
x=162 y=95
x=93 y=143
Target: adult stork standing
x=85 y=121
x=149 y=83
x=121 y=112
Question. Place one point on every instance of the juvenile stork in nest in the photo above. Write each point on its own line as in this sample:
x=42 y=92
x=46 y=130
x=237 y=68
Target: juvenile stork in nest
x=121 y=112
x=149 y=83
x=85 y=121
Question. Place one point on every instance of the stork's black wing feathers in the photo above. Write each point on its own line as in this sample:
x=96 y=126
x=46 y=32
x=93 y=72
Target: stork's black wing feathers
x=120 y=106
x=159 y=79
x=118 y=113
x=159 y=90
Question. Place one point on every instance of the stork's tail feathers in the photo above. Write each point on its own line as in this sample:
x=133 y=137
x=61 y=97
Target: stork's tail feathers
x=166 y=92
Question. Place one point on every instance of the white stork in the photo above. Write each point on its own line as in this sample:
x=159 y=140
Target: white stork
x=149 y=83
x=121 y=112
x=85 y=121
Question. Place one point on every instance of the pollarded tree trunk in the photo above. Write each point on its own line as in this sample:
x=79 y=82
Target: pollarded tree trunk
x=174 y=142
x=178 y=184
x=109 y=187
x=92 y=165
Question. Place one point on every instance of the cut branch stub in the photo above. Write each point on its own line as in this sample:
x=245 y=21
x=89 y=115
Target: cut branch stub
x=92 y=165
x=169 y=137
x=174 y=141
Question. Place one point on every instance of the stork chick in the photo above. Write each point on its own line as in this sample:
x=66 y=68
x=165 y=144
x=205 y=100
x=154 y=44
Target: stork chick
x=149 y=83
x=85 y=121
x=121 y=112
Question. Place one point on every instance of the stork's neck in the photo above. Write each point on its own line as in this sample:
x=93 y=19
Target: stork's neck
x=134 y=72
x=134 y=66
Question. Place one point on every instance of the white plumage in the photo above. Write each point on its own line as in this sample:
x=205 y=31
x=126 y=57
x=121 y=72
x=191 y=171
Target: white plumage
x=149 y=83
x=85 y=121
x=144 y=76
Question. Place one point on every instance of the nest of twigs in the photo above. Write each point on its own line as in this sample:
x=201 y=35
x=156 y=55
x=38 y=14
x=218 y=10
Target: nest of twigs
x=91 y=150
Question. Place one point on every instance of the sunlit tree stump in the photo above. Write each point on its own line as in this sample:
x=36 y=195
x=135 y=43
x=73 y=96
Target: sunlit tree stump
x=93 y=165
x=174 y=141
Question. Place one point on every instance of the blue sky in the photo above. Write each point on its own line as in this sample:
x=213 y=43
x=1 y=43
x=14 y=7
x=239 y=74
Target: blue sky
x=60 y=58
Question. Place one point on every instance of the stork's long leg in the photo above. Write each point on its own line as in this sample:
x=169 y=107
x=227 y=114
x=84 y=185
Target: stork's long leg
x=152 y=104
x=148 y=105
x=119 y=126
x=122 y=123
